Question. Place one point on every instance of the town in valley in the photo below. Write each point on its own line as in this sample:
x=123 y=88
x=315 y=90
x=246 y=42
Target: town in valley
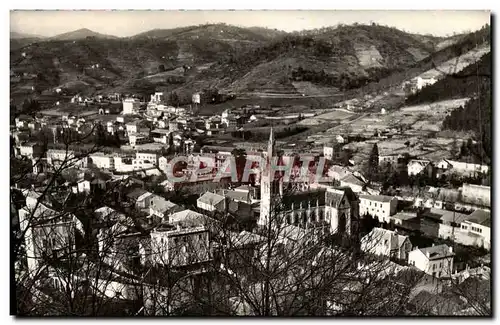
x=218 y=170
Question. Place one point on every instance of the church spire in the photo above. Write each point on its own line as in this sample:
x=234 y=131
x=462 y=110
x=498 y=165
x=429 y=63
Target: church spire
x=270 y=145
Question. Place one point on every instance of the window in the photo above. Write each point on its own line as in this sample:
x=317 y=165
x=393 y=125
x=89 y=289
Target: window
x=433 y=266
x=440 y=265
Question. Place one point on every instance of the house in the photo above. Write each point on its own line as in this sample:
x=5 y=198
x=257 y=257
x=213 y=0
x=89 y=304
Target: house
x=30 y=150
x=48 y=232
x=211 y=202
x=342 y=210
x=338 y=172
x=146 y=158
x=180 y=245
x=131 y=106
x=460 y=168
x=420 y=167
x=161 y=135
x=160 y=208
x=450 y=222
x=101 y=160
x=436 y=260
x=378 y=206
x=135 y=139
x=140 y=198
x=405 y=220
x=386 y=243
x=475 y=229
x=354 y=182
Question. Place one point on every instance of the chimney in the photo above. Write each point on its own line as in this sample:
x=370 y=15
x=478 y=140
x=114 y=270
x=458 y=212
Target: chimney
x=467 y=266
x=432 y=244
x=427 y=254
x=450 y=249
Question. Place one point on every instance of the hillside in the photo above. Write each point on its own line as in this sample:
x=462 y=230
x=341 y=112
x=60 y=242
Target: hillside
x=458 y=85
x=80 y=34
x=342 y=58
x=460 y=45
x=229 y=58
x=17 y=35
x=220 y=32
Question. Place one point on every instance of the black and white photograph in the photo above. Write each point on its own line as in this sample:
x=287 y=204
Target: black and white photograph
x=224 y=163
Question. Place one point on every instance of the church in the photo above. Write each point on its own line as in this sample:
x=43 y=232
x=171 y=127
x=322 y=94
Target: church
x=336 y=208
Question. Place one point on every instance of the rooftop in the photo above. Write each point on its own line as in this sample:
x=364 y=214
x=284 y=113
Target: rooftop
x=437 y=252
x=405 y=215
x=481 y=217
x=351 y=179
x=162 y=205
x=378 y=198
x=449 y=216
x=210 y=198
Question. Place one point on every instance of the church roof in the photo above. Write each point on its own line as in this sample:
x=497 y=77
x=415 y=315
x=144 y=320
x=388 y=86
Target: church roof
x=335 y=196
x=315 y=197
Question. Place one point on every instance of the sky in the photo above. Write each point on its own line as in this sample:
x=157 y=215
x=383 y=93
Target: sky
x=128 y=23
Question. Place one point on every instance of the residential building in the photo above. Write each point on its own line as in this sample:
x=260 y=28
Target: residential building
x=161 y=135
x=211 y=202
x=140 y=198
x=131 y=106
x=355 y=183
x=420 y=167
x=450 y=223
x=161 y=208
x=378 y=206
x=180 y=245
x=460 y=168
x=475 y=230
x=48 y=232
x=101 y=160
x=30 y=150
x=436 y=260
x=386 y=243
x=146 y=158
x=57 y=157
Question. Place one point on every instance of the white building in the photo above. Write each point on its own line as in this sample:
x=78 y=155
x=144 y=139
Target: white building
x=159 y=207
x=146 y=158
x=379 y=206
x=436 y=260
x=386 y=243
x=131 y=106
x=180 y=245
x=102 y=160
x=461 y=168
x=211 y=202
x=475 y=230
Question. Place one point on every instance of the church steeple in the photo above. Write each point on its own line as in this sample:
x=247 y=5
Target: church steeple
x=270 y=145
